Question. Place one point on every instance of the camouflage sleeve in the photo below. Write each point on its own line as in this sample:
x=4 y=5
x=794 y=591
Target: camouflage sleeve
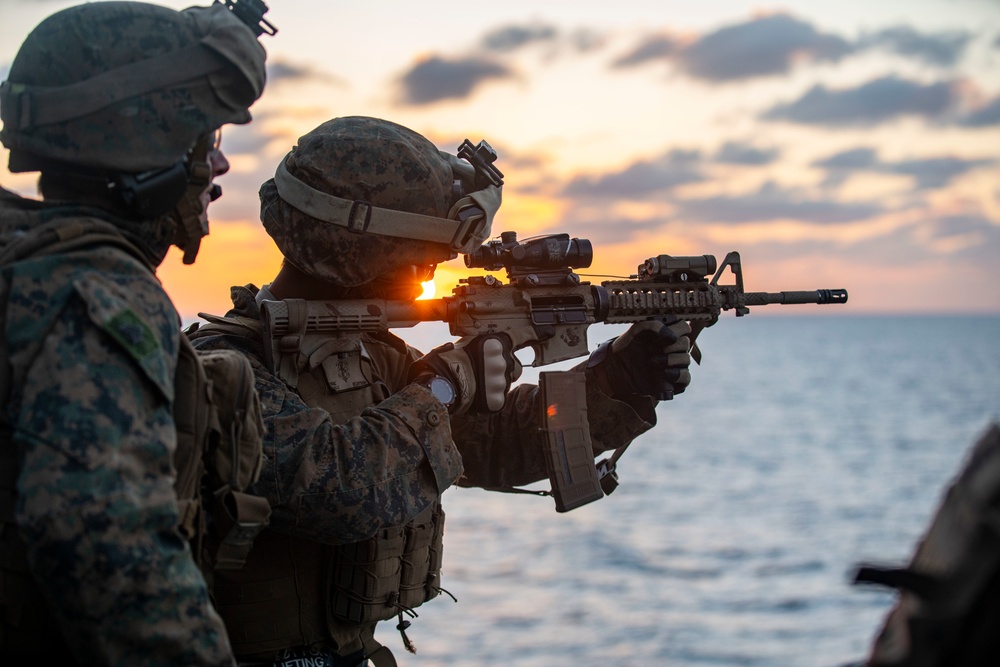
x=96 y=504
x=507 y=449
x=341 y=483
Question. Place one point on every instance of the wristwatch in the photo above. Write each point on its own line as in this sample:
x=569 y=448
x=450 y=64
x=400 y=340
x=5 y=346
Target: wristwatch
x=441 y=387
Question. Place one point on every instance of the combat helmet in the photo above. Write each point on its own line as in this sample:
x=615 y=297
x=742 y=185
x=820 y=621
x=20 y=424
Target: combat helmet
x=360 y=197
x=122 y=91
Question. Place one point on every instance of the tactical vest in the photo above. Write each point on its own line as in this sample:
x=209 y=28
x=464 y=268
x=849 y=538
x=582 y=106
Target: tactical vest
x=219 y=429
x=296 y=592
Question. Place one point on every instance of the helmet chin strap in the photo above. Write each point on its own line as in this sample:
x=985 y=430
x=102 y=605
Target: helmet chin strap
x=191 y=225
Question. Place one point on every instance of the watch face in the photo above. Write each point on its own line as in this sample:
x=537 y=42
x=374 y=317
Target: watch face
x=442 y=389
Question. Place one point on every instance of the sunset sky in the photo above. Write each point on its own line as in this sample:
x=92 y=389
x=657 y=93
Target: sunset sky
x=847 y=144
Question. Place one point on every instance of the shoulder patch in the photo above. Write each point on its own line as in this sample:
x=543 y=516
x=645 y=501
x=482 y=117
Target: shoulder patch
x=110 y=311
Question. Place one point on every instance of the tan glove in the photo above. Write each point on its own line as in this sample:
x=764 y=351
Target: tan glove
x=480 y=369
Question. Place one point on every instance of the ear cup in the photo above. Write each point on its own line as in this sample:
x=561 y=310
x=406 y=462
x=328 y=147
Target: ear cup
x=151 y=193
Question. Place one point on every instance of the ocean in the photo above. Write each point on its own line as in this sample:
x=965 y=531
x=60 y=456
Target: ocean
x=804 y=446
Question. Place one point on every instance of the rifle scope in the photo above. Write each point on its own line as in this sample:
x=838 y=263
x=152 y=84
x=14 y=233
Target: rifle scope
x=541 y=253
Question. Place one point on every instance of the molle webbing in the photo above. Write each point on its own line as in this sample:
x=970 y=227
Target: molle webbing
x=391 y=574
x=276 y=600
x=295 y=592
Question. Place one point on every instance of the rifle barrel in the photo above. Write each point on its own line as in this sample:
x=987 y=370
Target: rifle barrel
x=820 y=296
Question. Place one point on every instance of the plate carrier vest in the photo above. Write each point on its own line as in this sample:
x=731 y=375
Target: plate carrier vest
x=295 y=592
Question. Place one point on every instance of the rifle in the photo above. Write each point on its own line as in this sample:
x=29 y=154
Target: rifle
x=546 y=306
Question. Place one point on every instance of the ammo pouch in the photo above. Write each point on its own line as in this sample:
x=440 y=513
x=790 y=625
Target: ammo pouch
x=389 y=574
x=219 y=454
x=295 y=592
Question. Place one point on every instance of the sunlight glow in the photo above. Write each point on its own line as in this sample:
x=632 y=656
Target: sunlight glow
x=429 y=290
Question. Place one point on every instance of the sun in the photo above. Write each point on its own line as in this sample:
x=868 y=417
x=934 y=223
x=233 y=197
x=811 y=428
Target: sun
x=429 y=290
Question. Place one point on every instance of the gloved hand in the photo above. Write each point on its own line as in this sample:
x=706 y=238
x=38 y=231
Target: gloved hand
x=650 y=359
x=480 y=368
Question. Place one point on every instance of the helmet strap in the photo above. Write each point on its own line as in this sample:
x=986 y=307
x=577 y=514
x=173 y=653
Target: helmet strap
x=192 y=226
x=466 y=227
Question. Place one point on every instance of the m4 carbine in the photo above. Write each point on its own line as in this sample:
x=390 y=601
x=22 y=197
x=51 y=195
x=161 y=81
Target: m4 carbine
x=544 y=304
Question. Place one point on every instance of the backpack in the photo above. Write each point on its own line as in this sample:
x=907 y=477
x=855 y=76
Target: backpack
x=219 y=434
x=948 y=609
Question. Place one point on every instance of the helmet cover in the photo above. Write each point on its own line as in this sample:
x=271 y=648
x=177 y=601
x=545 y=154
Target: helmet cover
x=142 y=119
x=367 y=159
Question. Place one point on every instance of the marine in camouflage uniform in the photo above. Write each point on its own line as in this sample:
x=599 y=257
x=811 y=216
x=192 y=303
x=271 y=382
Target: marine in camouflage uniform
x=117 y=104
x=358 y=450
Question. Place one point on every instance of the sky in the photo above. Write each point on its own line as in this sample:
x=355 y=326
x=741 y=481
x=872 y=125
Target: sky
x=844 y=144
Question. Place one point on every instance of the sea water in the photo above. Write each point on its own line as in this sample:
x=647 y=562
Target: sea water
x=803 y=447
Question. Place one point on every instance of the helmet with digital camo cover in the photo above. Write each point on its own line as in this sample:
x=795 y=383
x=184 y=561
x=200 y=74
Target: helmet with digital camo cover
x=358 y=198
x=119 y=94
x=127 y=86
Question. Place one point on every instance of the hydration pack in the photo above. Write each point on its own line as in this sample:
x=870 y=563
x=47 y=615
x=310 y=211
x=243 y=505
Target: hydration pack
x=948 y=609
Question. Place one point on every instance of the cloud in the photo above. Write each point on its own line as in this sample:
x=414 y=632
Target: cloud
x=943 y=48
x=655 y=47
x=246 y=140
x=978 y=237
x=935 y=172
x=775 y=44
x=855 y=158
x=841 y=165
x=988 y=114
x=584 y=40
x=928 y=173
x=282 y=71
x=869 y=104
x=509 y=39
x=640 y=179
x=960 y=225
x=969 y=237
x=772 y=203
x=734 y=152
x=606 y=231
x=513 y=37
x=437 y=79
x=764 y=46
